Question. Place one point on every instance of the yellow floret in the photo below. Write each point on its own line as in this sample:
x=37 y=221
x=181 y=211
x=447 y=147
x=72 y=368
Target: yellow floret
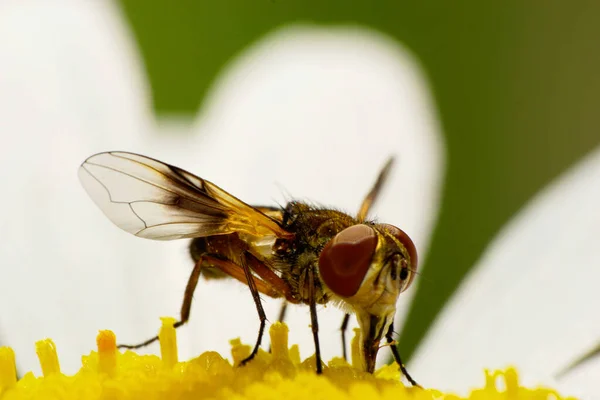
x=110 y=374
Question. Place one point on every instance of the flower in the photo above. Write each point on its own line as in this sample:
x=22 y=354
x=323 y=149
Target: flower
x=71 y=85
x=264 y=102
x=539 y=274
x=109 y=373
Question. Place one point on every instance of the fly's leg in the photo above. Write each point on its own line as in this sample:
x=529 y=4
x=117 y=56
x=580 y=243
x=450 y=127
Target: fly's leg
x=344 y=328
x=282 y=311
x=277 y=284
x=313 y=318
x=186 y=306
x=271 y=278
x=267 y=282
x=229 y=268
x=259 y=308
x=396 y=353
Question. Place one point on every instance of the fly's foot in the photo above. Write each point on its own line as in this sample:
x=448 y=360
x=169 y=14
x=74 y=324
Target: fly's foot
x=248 y=359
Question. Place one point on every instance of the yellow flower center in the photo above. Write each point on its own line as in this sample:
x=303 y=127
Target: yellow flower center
x=280 y=374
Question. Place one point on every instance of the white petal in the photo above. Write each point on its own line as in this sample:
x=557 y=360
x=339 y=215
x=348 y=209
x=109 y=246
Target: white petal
x=70 y=60
x=531 y=301
x=70 y=86
x=313 y=113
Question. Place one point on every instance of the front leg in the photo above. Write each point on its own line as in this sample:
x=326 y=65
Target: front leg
x=396 y=353
x=344 y=328
x=313 y=317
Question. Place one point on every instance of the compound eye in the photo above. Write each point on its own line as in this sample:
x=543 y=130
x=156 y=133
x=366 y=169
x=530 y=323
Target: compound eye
x=345 y=259
x=407 y=270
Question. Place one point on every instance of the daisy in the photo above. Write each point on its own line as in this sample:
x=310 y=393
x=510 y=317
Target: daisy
x=287 y=119
x=531 y=299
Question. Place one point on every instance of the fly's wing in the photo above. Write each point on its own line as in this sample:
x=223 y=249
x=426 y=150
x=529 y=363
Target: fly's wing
x=274 y=213
x=374 y=192
x=154 y=200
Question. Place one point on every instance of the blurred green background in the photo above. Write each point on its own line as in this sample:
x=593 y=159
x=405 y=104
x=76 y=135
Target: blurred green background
x=517 y=85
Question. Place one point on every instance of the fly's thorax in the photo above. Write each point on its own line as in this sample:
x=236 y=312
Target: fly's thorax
x=313 y=228
x=297 y=276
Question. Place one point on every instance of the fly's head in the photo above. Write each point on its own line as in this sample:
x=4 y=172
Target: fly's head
x=367 y=266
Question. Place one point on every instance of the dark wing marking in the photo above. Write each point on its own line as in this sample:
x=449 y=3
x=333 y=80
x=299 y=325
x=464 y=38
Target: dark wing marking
x=275 y=213
x=158 y=201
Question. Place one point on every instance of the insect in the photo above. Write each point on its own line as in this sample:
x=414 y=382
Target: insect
x=301 y=253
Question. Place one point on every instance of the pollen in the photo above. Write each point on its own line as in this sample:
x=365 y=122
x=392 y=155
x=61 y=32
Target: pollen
x=108 y=373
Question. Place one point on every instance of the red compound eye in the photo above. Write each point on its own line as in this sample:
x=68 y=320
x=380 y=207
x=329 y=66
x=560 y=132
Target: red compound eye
x=345 y=260
x=410 y=248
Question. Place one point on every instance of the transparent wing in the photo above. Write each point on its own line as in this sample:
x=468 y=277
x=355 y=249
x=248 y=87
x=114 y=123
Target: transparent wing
x=154 y=200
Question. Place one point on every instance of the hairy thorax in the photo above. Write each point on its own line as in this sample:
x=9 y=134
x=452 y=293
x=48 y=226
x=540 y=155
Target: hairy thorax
x=294 y=258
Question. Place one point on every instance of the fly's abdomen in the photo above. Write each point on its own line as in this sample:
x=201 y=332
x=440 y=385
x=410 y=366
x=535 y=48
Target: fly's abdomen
x=202 y=246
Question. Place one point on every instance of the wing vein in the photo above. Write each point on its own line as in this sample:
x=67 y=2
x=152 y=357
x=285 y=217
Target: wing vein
x=185 y=196
x=137 y=215
x=137 y=201
x=165 y=202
